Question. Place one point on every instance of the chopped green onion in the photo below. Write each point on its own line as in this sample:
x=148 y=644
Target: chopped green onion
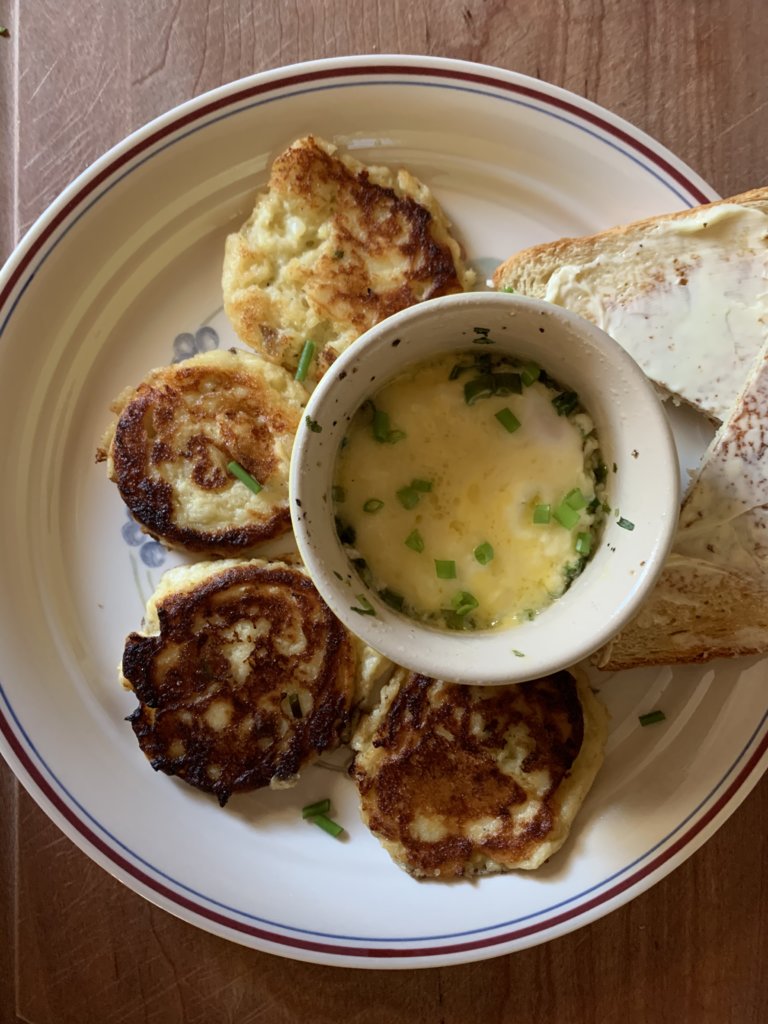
x=338 y=493
x=508 y=420
x=565 y=403
x=573 y=570
x=458 y=369
x=530 y=374
x=395 y=435
x=509 y=289
x=566 y=516
x=408 y=497
x=625 y=524
x=295 y=703
x=508 y=384
x=392 y=598
x=381 y=426
x=366 y=608
x=482 y=336
x=243 y=476
x=517 y=654
x=575 y=499
x=305 y=359
x=345 y=532
x=652 y=718
x=453 y=620
x=321 y=807
x=363 y=571
x=415 y=541
x=479 y=387
x=463 y=602
x=445 y=569
x=331 y=827
x=583 y=543
x=483 y=553
x=542 y=514
x=373 y=505
x=313 y=425
x=425 y=486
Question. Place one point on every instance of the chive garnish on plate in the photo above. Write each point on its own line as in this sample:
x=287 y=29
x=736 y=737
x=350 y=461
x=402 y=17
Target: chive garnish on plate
x=542 y=514
x=373 y=505
x=445 y=569
x=295 y=704
x=320 y=807
x=331 y=827
x=625 y=524
x=236 y=470
x=530 y=373
x=652 y=717
x=304 y=360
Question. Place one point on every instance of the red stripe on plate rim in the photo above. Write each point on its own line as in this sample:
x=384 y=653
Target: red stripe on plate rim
x=258 y=88
x=173 y=897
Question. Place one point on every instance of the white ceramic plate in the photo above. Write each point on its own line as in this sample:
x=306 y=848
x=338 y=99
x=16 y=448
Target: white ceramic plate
x=120 y=275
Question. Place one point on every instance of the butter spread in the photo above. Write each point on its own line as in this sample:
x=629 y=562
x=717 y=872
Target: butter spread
x=688 y=299
x=724 y=520
x=447 y=492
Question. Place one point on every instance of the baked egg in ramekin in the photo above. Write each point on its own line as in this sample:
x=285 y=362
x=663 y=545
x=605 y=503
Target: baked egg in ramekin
x=484 y=488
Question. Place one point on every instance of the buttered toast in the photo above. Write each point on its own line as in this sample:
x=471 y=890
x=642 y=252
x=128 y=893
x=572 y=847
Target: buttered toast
x=711 y=600
x=685 y=294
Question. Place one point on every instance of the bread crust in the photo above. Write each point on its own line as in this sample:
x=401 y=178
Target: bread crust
x=527 y=271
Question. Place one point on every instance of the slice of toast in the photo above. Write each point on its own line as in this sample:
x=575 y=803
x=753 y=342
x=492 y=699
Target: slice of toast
x=711 y=600
x=685 y=294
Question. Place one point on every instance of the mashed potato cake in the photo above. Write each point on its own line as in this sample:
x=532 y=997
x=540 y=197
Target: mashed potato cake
x=175 y=436
x=468 y=780
x=331 y=248
x=243 y=674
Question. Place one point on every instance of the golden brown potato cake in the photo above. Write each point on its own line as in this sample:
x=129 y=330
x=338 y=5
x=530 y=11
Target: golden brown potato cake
x=467 y=780
x=331 y=248
x=243 y=674
x=177 y=432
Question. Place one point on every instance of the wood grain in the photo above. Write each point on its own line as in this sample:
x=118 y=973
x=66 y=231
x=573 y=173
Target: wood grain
x=88 y=951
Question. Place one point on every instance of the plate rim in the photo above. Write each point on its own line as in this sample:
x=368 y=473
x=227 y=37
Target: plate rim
x=58 y=212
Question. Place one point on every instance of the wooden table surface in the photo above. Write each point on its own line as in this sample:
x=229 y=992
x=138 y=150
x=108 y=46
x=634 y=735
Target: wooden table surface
x=77 y=75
